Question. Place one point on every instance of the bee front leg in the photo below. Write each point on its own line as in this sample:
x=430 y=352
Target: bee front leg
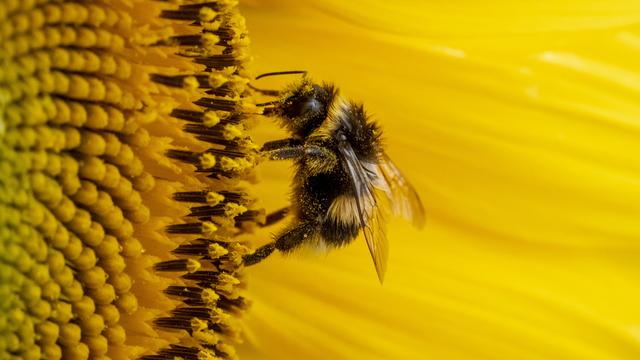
x=259 y=254
x=276 y=216
x=286 y=242
x=285 y=153
x=279 y=144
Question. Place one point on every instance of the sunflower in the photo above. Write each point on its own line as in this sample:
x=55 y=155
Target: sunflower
x=130 y=189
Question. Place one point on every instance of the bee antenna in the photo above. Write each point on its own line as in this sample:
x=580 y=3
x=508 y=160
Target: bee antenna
x=292 y=72
x=266 y=92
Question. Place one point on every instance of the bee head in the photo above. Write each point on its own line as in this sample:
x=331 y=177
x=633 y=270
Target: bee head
x=305 y=105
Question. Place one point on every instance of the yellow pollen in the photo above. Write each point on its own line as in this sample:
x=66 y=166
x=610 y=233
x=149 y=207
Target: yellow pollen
x=249 y=107
x=232 y=131
x=232 y=210
x=207 y=14
x=209 y=296
x=216 y=251
x=213 y=198
x=212 y=26
x=210 y=39
x=227 y=285
x=207 y=161
x=193 y=265
x=217 y=79
x=198 y=324
x=238 y=83
x=190 y=83
x=249 y=145
x=229 y=164
x=206 y=336
x=211 y=119
x=209 y=228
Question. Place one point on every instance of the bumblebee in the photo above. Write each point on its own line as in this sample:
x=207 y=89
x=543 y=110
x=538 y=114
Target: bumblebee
x=344 y=182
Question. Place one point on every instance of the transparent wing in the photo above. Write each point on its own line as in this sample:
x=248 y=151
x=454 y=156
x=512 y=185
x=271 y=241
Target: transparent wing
x=369 y=213
x=404 y=199
x=376 y=238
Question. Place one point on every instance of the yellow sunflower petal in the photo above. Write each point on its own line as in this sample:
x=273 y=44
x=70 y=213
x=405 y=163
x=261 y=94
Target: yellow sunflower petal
x=518 y=125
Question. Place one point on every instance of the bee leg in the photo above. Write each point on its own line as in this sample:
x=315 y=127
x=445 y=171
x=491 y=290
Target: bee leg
x=279 y=144
x=286 y=242
x=294 y=237
x=259 y=254
x=291 y=152
x=276 y=216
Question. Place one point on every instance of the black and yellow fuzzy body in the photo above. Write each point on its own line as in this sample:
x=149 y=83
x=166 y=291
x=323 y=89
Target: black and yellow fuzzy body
x=343 y=180
x=323 y=200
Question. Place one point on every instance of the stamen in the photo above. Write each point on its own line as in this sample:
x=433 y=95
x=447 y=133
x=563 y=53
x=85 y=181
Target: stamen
x=189 y=228
x=218 y=62
x=217 y=104
x=198 y=197
x=184 y=291
x=175 y=351
x=188 y=265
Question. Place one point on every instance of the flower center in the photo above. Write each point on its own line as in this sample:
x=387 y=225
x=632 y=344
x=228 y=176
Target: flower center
x=122 y=145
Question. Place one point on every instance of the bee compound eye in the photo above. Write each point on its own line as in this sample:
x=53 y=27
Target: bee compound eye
x=312 y=105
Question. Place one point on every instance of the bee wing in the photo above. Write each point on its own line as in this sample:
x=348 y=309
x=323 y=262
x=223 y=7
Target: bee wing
x=376 y=238
x=404 y=199
x=369 y=213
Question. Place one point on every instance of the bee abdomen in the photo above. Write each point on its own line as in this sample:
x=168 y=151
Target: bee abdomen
x=337 y=234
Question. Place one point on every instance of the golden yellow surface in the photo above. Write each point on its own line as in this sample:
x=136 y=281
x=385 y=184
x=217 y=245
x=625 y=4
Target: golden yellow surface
x=519 y=124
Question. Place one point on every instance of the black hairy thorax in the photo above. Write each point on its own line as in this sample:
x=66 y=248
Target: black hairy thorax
x=351 y=123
